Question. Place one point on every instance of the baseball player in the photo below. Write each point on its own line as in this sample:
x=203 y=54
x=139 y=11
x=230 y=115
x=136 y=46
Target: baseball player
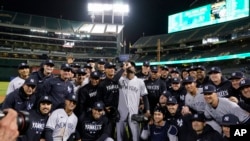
x=87 y=95
x=62 y=122
x=155 y=87
x=221 y=83
x=194 y=100
x=37 y=119
x=17 y=82
x=45 y=72
x=217 y=107
x=94 y=126
x=159 y=129
x=145 y=69
x=131 y=89
x=202 y=131
x=59 y=87
x=22 y=98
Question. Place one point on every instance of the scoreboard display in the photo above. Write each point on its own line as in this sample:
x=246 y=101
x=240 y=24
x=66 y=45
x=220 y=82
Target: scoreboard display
x=222 y=11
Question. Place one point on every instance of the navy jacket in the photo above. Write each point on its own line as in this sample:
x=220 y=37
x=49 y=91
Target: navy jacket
x=19 y=101
x=57 y=88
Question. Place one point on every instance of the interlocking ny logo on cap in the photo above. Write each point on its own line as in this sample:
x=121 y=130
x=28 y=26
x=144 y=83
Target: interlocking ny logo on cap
x=242 y=81
x=234 y=74
x=226 y=118
x=46 y=97
x=98 y=105
x=213 y=68
x=195 y=115
x=32 y=80
x=73 y=96
x=206 y=87
x=170 y=99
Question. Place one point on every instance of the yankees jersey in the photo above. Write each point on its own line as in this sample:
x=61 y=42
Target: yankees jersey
x=36 y=126
x=61 y=124
x=87 y=95
x=91 y=129
x=196 y=102
x=182 y=122
x=222 y=89
x=57 y=89
x=14 y=84
x=130 y=93
x=108 y=92
x=155 y=89
x=225 y=106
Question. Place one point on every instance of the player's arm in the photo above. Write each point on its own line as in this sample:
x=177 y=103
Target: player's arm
x=146 y=104
x=50 y=126
x=48 y=134
x=9 y=101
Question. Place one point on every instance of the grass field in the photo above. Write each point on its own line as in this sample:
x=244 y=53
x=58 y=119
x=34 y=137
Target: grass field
x=3 y=88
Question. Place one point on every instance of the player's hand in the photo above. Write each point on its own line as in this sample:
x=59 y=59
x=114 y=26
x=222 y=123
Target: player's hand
x=233 y=99
x=185 y=110
x=8 y=126
x=147 y=114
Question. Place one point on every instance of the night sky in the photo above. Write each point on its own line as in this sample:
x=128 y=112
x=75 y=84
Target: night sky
x=146 y=17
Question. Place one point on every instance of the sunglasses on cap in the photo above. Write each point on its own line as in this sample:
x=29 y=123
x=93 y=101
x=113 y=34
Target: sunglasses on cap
x=99 y=110
x=208 y=93
x=32 y=86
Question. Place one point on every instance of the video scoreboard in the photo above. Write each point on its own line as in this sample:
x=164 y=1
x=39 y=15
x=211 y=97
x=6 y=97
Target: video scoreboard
x=221 y=11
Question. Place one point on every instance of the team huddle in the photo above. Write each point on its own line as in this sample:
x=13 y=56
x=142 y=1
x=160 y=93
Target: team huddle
x=100 y=102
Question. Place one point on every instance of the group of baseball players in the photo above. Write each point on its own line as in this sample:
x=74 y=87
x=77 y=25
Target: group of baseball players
x=101 y=101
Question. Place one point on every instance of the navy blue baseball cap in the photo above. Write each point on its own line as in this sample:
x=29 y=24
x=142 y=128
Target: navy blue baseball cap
x=71 y=97
x=154 y=69
x=95 y=74
x=244 y=83
x=214 y=70
x=188 y=79
x=49 y=62
x=208 y=89
x=146 y=63
x=45 y=98
x=101 y=61
x=87 y=66
x=200 y=67
x=30 y=81
x=237 y=75
x=99 y=105
x=172 y=100
x=175 y=70
x=164 y=67
x=198 y=117
x=65 y=67
x=76 y=65
x=23 y=65
x=230 y=119
x=109 y=65
x=90 y=60
x=166 y=93
x=81 y=71
x=192 y=68
x=185 y=70
x=175 y=80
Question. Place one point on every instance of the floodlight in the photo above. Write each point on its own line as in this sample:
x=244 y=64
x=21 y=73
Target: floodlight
x=121 y=8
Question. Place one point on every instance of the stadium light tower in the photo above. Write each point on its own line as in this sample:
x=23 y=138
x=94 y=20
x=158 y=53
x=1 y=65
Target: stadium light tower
x=109 y=9
x=103 y=10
